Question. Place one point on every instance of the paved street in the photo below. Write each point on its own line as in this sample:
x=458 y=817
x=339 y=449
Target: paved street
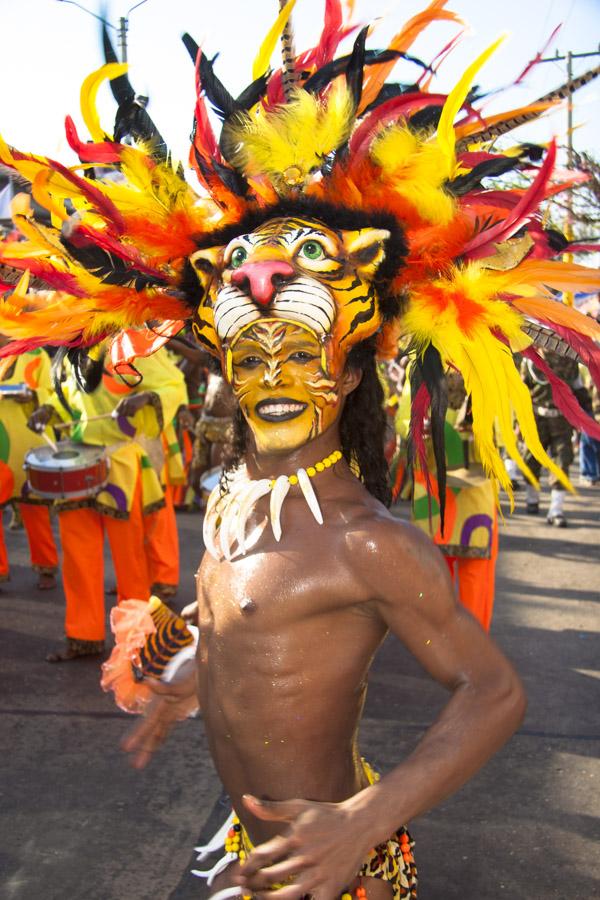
x=77 y=824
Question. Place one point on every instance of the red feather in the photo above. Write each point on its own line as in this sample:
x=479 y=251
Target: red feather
x=100 y=201
x=483 y=244
x=331 y=35
x=536 y=59
x=105 y=153
x=60 y=281
x=125 y=252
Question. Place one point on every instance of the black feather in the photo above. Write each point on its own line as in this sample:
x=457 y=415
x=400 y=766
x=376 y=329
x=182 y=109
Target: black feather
x=462 y=184
x=57 y=375
x=88 y=372
x=121 y=87
x=356 y=65
x=390 y=91
x=231 y=178
x=252 y=94
x=426 y=119
x=191 y=46
x=323 y=76
x=109 y=268
x=132 y=121
x=222 y=102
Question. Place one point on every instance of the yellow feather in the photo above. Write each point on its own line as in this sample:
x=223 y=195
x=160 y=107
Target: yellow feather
x=87 y=97
x=263 y=58
x=40 y=192
x=460 y=322
x=445 y=131
x=533 y=276
x=417 y=170
x=292 y=138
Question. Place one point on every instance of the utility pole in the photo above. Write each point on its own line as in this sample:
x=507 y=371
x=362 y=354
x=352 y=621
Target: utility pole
x=123 y=27
x=123 y=24
x=568 y=57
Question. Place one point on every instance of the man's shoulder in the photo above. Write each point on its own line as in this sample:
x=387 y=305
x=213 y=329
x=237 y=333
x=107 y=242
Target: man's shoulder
x=374 y=533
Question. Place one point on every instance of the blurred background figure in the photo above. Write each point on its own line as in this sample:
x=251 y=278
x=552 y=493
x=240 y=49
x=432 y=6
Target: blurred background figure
x=589 y=447
x=556 y=434
x=194 y=365
x=127 y=421
x=212 y=433
x=24 y=385
x=469 y=540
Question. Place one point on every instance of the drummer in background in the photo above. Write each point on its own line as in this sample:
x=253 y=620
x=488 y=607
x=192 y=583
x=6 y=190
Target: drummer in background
x=160 y=526
x=24 y=385
x=130 y=430
x=195 y=364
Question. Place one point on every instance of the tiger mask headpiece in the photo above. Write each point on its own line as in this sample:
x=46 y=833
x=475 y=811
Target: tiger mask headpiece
x=315 y=265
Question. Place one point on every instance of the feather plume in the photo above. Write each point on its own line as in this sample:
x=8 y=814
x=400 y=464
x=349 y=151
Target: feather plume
x=482 y=243
x=332 y=33
x=402 y=41
x=89 y=90
x=445 y=131
x=506 y=122
x=298 y=135
x=263 y=58
x=417 y=170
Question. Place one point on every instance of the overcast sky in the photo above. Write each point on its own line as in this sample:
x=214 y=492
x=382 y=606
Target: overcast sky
x=49 y=46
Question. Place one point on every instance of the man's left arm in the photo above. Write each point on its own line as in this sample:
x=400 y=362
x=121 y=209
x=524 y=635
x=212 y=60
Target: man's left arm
x=487 y=703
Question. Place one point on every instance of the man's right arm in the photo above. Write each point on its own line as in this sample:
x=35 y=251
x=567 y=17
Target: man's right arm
x=172 y=703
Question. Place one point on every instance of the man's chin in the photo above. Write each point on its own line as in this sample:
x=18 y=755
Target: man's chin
x=279 y=439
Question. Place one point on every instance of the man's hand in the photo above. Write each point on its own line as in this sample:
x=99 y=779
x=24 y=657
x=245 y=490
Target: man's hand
x=322 y=849
x=128 y=406
x=172 y=703
x=39 y=419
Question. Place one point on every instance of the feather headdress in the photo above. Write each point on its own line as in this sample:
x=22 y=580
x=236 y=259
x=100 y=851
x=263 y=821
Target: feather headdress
x=478 y=283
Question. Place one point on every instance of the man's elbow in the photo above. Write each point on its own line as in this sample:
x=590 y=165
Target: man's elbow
x=511 y=700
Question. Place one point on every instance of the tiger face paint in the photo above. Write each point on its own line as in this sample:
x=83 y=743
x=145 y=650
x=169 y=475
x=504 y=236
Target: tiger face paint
x=278 y=377
x=296 y=270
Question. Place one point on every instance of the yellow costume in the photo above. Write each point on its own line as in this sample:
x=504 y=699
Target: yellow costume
x=32 y=372
x=133 y=444
x=124 y=507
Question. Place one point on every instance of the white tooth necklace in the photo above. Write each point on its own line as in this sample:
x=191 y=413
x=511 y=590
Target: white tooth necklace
x=227 y=515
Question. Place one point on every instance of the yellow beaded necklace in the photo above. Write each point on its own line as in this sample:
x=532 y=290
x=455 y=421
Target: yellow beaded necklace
x=320 y=466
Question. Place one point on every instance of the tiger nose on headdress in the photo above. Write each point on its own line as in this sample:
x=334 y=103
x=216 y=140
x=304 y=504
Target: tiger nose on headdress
x=261 y=280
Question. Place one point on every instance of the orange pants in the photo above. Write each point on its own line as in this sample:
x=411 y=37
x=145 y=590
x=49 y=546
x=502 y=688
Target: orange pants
x=162 y=543
x=42 y=548
x=476 y=579
x=82 y=536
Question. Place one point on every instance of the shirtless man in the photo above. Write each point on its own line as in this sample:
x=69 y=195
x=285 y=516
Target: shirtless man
x=290 y=620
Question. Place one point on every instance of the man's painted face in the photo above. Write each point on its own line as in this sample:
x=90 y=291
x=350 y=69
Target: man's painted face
x=296 y=270
x=277 y=375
